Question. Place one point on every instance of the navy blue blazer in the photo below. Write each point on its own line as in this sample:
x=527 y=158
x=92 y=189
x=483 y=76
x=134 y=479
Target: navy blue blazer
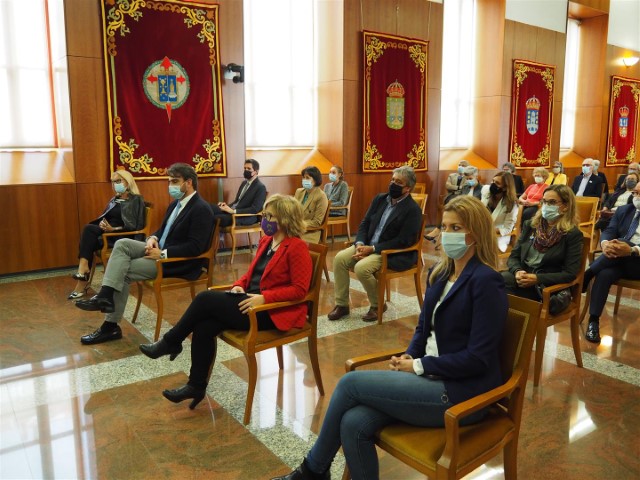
x=620 y=223
x=593 y=188
x=400 y=231
x=190 y=235
x=469 y=324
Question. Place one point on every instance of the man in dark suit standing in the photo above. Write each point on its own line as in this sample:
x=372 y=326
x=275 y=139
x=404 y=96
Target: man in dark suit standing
x=185 y=232
x=634 y=167
x=249 y=199
x=392 y=221
x=587 y=184
x=620 y=258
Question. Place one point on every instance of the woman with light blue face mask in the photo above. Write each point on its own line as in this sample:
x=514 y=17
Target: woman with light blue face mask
x=337 y=191
x=452 y=357
x=314 y=202
x=124 y=212
x=549 y=249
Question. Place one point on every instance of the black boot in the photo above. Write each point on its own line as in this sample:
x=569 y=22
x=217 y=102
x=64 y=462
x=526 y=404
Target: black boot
x=185 y=392
x=303 y=472
x=160 y=348
x=593 y=331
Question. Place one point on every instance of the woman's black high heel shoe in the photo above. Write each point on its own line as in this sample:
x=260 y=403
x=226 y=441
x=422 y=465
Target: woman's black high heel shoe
x=160 y=348
x=185 y=392
x=81 y=277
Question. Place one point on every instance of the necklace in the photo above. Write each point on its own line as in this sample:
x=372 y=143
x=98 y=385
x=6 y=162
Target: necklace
x=273 y=248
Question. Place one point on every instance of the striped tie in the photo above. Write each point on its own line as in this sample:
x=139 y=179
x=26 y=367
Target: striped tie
x=633 y=227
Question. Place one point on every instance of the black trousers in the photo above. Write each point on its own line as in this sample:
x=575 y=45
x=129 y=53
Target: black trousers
x=90 y=241
x=208 y=315
x=512 y=287
x=608 y=271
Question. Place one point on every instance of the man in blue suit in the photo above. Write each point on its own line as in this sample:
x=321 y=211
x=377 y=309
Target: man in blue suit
x=620 y=258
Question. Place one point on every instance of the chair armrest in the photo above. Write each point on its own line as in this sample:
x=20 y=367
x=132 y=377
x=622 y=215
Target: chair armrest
x=315 y=229
x=558 y=287
x=355 y=362
x=246 y=214
x=122 y=233
x=463 y=409
x=338 y=207
x=274 y=305
x=391 y=251
x=221 y=287
x=181 y=259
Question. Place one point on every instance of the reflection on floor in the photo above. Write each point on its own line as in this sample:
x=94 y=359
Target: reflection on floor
x=71 y=411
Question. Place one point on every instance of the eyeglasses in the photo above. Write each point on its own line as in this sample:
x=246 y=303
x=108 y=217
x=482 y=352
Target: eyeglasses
x=551 y=203
x=117 y=182
x=269 y=216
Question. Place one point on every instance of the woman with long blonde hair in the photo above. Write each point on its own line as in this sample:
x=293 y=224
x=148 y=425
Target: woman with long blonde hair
x=124 y=212
x=549 y=249
x=501 y=200
x=453 y=355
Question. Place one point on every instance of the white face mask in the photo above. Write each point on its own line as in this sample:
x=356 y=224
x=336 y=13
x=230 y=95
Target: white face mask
x=636 y=202
x=538 y=179
x=556 y=170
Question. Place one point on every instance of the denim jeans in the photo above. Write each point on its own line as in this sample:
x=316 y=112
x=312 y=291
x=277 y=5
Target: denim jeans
x=364 y=402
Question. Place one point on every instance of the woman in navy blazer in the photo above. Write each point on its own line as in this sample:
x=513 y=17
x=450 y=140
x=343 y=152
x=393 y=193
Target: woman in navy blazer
x=281 y=271
x=453 y=355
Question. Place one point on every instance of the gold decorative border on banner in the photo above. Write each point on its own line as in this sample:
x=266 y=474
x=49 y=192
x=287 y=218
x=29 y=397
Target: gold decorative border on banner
x=617 y=82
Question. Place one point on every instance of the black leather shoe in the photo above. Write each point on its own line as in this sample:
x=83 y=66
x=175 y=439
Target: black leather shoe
x=158 y=349
x=372 y=314
x=303 y=473
x=185 y=392
x=81 y=277
x=593 y=332
x=95 y=304
x=100 y=336
x=338 y=312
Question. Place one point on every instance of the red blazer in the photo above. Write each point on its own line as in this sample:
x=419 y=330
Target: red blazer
x=287 y=277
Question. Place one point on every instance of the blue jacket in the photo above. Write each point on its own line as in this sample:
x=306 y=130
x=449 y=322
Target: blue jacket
x=620 y=223
x=469 y=324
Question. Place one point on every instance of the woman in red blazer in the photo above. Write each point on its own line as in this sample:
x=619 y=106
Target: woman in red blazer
x=281 y=271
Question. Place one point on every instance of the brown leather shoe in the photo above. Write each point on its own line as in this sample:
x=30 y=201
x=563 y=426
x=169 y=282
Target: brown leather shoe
x=372 y=314
x=338 y=312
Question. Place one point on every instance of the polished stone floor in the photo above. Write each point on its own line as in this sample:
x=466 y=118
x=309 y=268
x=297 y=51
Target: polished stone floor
x=70 y=411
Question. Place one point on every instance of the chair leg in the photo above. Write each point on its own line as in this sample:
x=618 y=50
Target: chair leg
x=250 y=243
x=416 y=277
x=618 y=293
x=233 y=247
x=326 y=272
x=346 y=475
x=140 y=293
x=587 y=300
x=388 y=290
x=332 y=238
x=381 y=288
x=541 y=337
x=92 y=271
x=313 y=356
x=251 y=388
x=575 y=338
x=348 y=233
x=510 y=455
x=160 y=304
x=193 y=291
x=280 y=357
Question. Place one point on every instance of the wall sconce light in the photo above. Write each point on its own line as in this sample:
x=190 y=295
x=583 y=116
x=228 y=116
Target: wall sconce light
x=233 y=72
x=630 y=61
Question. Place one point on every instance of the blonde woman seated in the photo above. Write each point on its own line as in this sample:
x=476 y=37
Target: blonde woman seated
x=280 y=272
x=124 y=212
x=557 y=176
x=314 y=202
x=337 y=191
x=500 y=198
x=549 y=250
x=532 y=196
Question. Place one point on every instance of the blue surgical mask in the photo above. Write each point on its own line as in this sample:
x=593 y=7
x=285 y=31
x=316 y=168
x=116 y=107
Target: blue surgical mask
x=472 y=182
x=538 y=179
x=269 y=228
x=307 y=184
x=454 y=244
x=586 y=170
x=176 y=192
x=120 y=188
x=550 y=212
x=630 y=183
x=333 y=177
x=460 y=170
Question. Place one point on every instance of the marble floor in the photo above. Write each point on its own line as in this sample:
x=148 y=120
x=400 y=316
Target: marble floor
x=69 y=411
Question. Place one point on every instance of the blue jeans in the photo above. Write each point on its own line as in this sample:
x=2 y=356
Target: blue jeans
x=364 y=402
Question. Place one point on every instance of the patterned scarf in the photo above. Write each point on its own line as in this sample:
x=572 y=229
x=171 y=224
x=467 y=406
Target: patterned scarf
x=545 y=236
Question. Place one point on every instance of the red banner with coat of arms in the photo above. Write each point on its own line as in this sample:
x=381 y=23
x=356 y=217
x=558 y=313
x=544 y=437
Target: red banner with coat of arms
x=531 y=114
x=395 y=103
x=623 y=121
x=162 y=63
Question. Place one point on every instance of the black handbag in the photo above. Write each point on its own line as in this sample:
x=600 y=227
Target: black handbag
x=558 y=301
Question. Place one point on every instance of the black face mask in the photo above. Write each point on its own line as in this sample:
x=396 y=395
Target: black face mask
x=395 y=191
x=494 y=189
x=247 y=174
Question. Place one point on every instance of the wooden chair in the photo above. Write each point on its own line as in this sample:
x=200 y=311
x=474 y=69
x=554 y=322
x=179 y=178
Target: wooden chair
x=587 y=208
x=162 y=283
x=572 y=314
x=421 y=200
x=515 y=235
x=620 y=284
x=104 y=253
x=254 y=341
x=385 y=274
x=234 y=229
x=454 y=451
x=324 y=230
x=343 y=219
x=419 y=188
